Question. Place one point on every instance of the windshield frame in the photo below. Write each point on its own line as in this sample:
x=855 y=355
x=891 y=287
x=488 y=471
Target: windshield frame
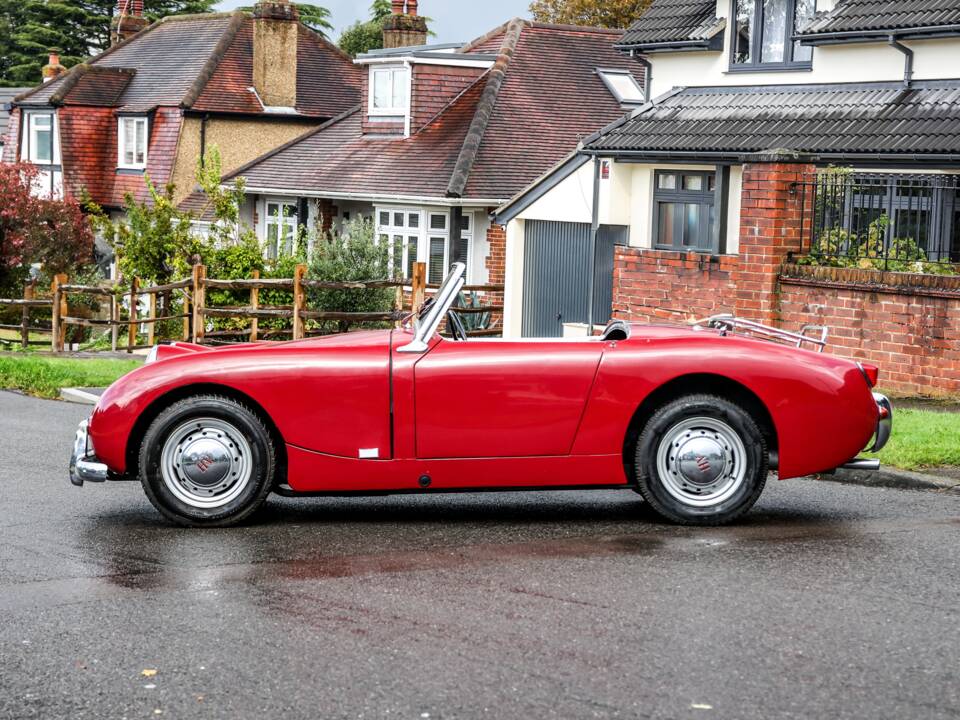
x=429 y=319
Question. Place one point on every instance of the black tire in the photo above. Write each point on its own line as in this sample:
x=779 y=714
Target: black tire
x=241 y=427
x=692 y=427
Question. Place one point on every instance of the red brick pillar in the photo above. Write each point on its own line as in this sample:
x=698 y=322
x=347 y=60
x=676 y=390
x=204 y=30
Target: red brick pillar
x=771 y=222
x=327 y=211
x=496 y=254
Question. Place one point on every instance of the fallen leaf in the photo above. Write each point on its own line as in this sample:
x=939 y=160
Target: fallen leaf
x=148 y=673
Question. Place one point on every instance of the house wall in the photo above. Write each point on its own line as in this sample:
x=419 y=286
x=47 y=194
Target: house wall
x=908 y=325
x=434 y=86
x=239 y=140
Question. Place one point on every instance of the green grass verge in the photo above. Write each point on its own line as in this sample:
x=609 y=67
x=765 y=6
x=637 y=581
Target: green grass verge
x=45 y=376
x=923 y=439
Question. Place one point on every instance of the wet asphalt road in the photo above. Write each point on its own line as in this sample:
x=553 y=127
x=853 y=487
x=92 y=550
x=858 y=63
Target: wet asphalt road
x=828 y=601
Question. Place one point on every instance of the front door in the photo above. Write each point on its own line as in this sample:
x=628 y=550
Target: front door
x=502 y=398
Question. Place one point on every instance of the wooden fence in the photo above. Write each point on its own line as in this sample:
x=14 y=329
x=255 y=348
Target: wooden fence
x=191 y=295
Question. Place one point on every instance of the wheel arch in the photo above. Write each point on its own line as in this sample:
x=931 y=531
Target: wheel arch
x=162 y=402
x=708 y=383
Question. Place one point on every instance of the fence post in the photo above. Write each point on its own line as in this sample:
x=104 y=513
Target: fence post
x=132 y=326
x=255 y=304
x=28 y=294
x=59 y=301
x=199 y=295
x=419 y=286
x=299 y=301
x=186 y=314
x=152 y=316
x=114 y=320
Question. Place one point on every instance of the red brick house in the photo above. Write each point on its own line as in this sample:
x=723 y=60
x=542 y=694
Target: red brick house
x=152 y=104
x=797 y=163
x=442 y=135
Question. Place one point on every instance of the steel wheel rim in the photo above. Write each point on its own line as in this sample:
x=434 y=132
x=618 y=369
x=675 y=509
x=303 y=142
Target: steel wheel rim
x=206 y=463
x=702 y=462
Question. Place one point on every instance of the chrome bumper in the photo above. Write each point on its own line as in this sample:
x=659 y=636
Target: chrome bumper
x=84 y=466
x=880 y=437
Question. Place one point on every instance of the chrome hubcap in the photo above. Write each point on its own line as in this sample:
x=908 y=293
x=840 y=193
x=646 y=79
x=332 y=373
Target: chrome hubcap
x=206 y=463
x=701 y=462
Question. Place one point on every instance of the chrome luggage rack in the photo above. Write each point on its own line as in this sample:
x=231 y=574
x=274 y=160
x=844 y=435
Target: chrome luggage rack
x=741 y=326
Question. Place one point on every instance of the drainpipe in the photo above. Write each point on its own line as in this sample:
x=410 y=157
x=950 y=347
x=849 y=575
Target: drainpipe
x=594 y=230
x=203 y=139
x=647 y=74
x=907 y=62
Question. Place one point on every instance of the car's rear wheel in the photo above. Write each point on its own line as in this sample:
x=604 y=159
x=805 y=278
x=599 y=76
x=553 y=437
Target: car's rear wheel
x=701 y=460
x=207 y=461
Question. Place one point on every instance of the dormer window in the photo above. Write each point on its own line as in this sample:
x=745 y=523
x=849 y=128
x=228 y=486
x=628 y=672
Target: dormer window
x=40 y=141
x=623 y=86
x=389 y=90
x=763 y=37
x=132 y=143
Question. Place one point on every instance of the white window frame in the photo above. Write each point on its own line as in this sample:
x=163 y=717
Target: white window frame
x=273 y=252
x=430 y=235
x=29 y=150
x=607 y=77
x=137 y=121
x=394 y=109
x=468 y=235
x=391 y=230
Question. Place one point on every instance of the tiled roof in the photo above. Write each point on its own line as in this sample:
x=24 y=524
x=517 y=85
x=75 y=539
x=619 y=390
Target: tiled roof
x=6 y=95
x=203 y=62
x=541 y=97
x=870 y=119
x=674 y=22
x=877 y=16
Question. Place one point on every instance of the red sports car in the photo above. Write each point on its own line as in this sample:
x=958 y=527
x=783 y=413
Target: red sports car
x=691 y=418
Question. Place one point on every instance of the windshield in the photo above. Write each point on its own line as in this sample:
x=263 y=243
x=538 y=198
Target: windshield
x=452 y=278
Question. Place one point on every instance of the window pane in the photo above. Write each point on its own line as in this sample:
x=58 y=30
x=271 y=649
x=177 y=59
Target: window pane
x=467 y=222
x=625 y=86
x=774 y=30
x=398 y=219
x=435 y=268
x=711 y=182
x=399 y=89
x=273 y=212
x=691 y=225
x=381 y=88
x=128 y=140
x=665 y=224
x=141 y=146
x=743 y=40
x=693 y=182
x=384 y=219
x=41 y=149
x=438 y=222
x=667 y=181
x=412 y=243
x=413 y=220
x=803 y=13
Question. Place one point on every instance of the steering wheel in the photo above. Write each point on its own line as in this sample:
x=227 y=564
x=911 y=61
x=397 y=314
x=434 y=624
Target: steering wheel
x=457 y=330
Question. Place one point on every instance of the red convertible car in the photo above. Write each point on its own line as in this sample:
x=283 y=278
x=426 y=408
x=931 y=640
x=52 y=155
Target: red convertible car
x=691 y=418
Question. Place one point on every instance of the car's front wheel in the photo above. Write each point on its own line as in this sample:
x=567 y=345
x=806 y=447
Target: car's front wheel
x=701 y=460
x=207 y=461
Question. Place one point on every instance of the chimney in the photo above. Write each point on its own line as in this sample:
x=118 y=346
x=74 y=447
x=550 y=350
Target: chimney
x=275 y=29
x=127 y=21
x=53 y=69
x=404 y=28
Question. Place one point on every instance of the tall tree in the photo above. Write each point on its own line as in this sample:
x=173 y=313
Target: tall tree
x=79 y=28
x=363 y=36
x=598 y=13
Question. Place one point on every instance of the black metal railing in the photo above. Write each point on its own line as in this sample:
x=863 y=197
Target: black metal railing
x=890 y=221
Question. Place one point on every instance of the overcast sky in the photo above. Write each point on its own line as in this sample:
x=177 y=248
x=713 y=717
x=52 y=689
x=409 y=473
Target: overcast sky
x=453 y=20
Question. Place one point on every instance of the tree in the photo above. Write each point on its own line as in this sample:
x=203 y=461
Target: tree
x=54 y=233
x=79 y=28
x=363 y=36
x=618 y=14
x=313 y=16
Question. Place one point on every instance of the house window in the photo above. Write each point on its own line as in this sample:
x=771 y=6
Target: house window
x=280 y=225
x=40 y=139
x=389 y=90
x=132 y=143
x=683 y=211
x=462 y=245
x=437 y=247
x=401 y=229
x=623 y=86
x=763 y=37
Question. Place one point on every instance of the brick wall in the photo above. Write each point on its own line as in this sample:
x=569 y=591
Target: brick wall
x=434 y=86
x=496 y=255
x=908 y=325
x=10 y=149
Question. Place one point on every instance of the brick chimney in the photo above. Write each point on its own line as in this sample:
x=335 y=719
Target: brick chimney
x=275 y=29
x=53 y=69
x=404 y=28
x=127 y=21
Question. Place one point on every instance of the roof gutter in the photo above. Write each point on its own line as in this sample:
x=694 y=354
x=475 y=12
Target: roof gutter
x=876 y=35
x=952 y=159
x=371 y=197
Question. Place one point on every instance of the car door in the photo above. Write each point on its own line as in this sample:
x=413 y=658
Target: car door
x=509 y=398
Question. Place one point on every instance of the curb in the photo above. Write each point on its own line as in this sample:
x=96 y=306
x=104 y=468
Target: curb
x=81 y=396
x=894 y=478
